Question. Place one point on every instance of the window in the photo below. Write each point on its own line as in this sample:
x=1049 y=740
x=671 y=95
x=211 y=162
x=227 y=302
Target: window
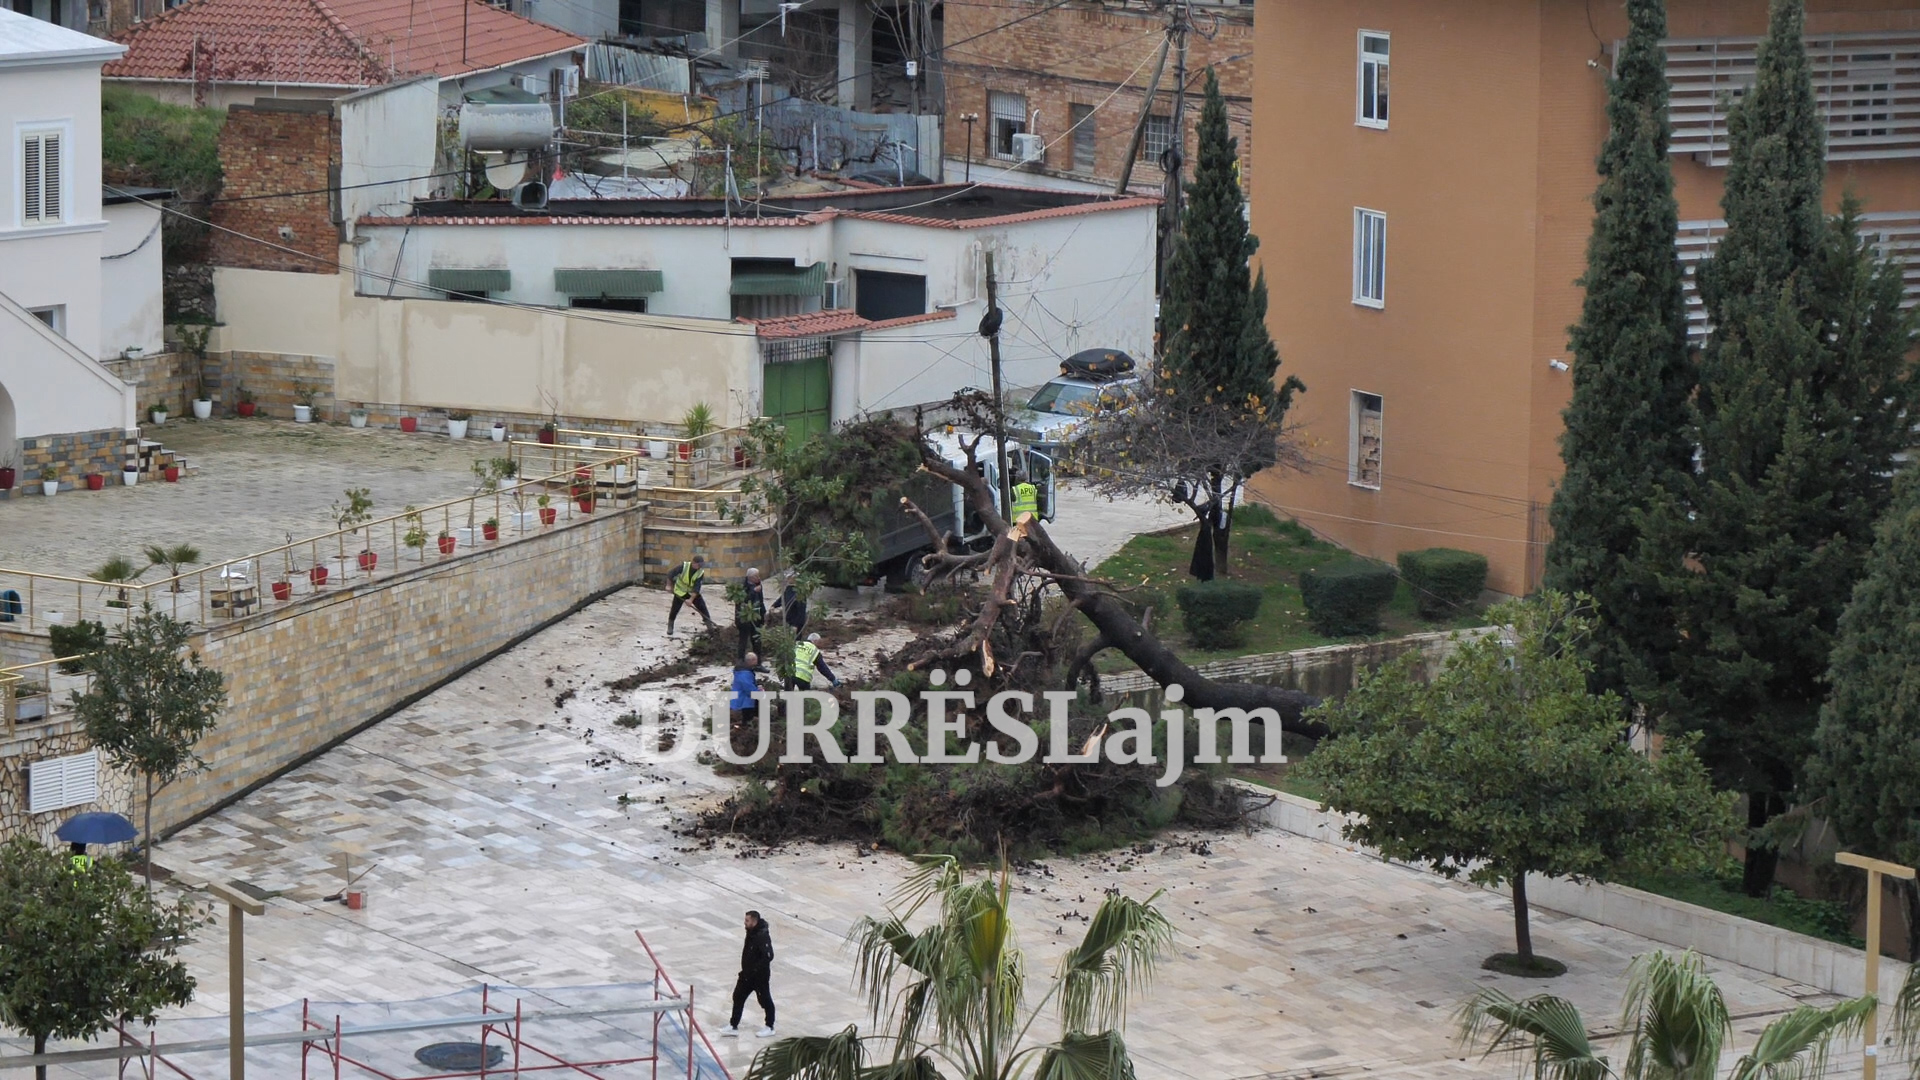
x=1008 y=117
x=1369 y=258
x=1370 y=110
x=881 y=295
x=1864 y=95
x=55 y=317
x=1158 y=138
x=57 y=783
x=636 y=304
x=1363 y=441
x=42 y=194
x=1081 y=118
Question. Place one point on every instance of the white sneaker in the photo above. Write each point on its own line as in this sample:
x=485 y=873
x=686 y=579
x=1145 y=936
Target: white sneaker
x=729 y=1032
x=764 y=1033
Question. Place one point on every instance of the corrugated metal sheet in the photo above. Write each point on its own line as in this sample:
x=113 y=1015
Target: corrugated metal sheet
x=628 y=67
x=621 y=283
x=468 y=280
x=800 y=281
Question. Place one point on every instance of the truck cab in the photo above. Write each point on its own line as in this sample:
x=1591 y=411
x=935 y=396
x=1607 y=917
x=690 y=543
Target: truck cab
x=898 y=547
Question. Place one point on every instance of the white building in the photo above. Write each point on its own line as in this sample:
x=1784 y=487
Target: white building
x=811 y=308
x=58 y=405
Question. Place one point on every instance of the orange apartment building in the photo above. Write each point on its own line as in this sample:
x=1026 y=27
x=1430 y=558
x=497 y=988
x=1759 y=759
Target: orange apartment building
x=1426 y=172
x=1027 y=67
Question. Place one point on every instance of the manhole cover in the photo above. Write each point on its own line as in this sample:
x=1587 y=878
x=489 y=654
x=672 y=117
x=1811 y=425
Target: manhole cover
x=459 y=1055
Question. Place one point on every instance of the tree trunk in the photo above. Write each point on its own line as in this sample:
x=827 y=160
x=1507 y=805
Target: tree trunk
x=1522 y=936
x=1763 y=858
x=39 y=1047
x=1201 y=567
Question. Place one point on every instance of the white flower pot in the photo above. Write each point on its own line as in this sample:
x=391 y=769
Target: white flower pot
x=456 y=429
x=303 y=414
x=499 y=433
x=202 y=409
x=356 y=418
x=31 y=708
x=60 y=684
x=158 y=417
x=588 y=443
x=129 y=477
x=49 y=487
x=657 y=449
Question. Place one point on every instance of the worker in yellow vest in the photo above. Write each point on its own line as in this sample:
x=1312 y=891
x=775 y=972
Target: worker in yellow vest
x=686 y=589
x=1026 y=498
x=78 y=861
x=807 y=660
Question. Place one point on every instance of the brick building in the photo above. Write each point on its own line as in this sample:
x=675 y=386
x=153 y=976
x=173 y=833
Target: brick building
x=273 y=146
x=1025 y=69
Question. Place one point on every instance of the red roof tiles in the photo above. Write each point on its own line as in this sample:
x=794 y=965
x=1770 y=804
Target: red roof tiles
x=347 y=43
x=841 y=321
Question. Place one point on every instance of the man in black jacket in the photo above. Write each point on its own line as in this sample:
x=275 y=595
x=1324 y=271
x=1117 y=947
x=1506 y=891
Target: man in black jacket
x=756 y=969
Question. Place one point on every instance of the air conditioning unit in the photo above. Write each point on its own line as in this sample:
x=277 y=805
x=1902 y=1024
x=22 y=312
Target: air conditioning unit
x=1029 y=149
x=833 y=294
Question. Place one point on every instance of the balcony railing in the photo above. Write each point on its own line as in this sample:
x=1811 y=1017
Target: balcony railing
x=1867 y=86
x=1895 y=234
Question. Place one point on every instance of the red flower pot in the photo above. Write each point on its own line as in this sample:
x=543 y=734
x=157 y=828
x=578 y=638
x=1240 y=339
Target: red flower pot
x=369 y=560
x=245 y=408
x=586 y=505
x=548 y=435
x=490 y=532
x=172 y=474
x=686 y=451
x=96 y=481
x=6 y=479
x=283 y=590
x=446 y=545
x=409 y=423
x=317 y=575
x=739 y=457
x=548 y=514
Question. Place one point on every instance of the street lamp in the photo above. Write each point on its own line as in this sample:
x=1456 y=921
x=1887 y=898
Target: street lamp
x=970 y=119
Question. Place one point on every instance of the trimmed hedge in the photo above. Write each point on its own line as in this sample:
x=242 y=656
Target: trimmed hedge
x=80 y=639
x=1216 y=612
x=1445 y=581
x=1347 y=598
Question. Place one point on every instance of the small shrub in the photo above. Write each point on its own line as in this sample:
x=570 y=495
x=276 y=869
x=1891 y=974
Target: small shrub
x=1347 y=598
x=1216 y=612
x=1445 y=581
x=80 y=639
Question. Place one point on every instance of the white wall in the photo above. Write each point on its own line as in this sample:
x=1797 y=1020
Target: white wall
x=452 y=89
x=388 y=133
x=131 y=315
x=54 y=265
x=81 y=395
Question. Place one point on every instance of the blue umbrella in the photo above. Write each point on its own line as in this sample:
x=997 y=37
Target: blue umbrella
x=97 y=828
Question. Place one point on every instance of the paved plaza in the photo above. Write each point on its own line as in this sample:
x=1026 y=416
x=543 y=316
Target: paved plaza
x=505 y=853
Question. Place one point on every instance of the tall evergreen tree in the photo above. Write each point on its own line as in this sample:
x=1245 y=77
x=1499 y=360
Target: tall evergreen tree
x=1866 y=763
x=1626 y=432
x=1217 y=359
x=1801 y=405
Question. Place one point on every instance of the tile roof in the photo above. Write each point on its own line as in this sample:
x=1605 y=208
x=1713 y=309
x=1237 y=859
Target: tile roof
x=738 y=222
x=840 y=321
x=347 y=43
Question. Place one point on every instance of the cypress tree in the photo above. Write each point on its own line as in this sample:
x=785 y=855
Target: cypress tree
x=1866 y=763
x=1800 y=409
x=1216 y=355
x=1626 y=435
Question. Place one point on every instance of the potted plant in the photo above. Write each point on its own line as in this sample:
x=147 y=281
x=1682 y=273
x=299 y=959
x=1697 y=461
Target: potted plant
x=9 y=466
x=457 y=424
x=130 y=473
x=357 y=417
x=304 y=395
x=447 y=542
x=487 y=476
x=176 y=559
x=416 y=535
x=50 y=481
x=243 y=401
x=96 y=481
x=348 y=517
x=202 y=402
x=282 y=589
x=547 y=513
x=490 y=529
x=158 y=412
x=499 y=431
x=72 y=645
x=171 y=474
x=699 y=424
x=409 y=424
x=317 y=575
x=117 y=571
x=550 y=431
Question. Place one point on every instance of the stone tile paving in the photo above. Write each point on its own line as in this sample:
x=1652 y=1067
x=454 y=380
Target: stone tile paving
x=504 y=855
x=254 y=481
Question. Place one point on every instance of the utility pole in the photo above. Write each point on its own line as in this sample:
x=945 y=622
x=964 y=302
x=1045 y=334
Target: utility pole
x=1140 y=125
x=1175 y=157
x=990 y=329
x=1876 y=869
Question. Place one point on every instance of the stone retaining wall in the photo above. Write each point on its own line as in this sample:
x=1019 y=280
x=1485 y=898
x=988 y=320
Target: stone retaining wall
x=73 y=457
x=730 y=553
x=272 y=380
x=169 y=378
x=57 y=739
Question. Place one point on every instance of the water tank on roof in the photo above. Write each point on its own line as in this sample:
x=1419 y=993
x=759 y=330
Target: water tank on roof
x=505 y=127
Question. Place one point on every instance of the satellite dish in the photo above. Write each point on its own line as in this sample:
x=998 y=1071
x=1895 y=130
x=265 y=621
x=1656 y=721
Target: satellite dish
x=505 y=170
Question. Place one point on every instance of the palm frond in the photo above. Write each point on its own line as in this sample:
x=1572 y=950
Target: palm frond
x=1114 y=960
x=840 y=1056
x=1677 y=1017
x=936 y=876
x=1795 y=1046
x=1082 y=1056
x=1906 y=1017
x=1546 y=1031
x=918 y=1067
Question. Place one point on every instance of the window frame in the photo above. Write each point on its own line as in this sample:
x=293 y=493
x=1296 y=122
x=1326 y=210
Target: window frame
x=996 y=117
x=1356 y=410
x=62 y=131
x=1166 y=136
x=1084 y=128
x=1380 y=76
x=1369 y=289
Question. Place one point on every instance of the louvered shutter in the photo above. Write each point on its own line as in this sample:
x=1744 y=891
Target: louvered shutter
x=30 y=210
x=57 y=783
x=51 y=210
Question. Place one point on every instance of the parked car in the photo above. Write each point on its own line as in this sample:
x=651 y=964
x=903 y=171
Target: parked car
x=1091 y=382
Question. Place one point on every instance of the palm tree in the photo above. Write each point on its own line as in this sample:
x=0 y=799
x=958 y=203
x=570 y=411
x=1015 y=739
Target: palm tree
x=1676 y=1022
x=960 y=1004
x=174 y=558
x=118 y=570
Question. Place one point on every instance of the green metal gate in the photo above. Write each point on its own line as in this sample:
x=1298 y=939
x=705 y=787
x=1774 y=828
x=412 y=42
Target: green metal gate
x=799 y=394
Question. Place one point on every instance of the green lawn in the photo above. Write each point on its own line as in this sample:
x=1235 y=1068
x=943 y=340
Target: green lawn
x=1266 y=552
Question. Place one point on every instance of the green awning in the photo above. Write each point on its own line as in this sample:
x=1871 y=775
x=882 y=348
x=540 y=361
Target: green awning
x=799 y=281
x=626 y=284
x=454 y=279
